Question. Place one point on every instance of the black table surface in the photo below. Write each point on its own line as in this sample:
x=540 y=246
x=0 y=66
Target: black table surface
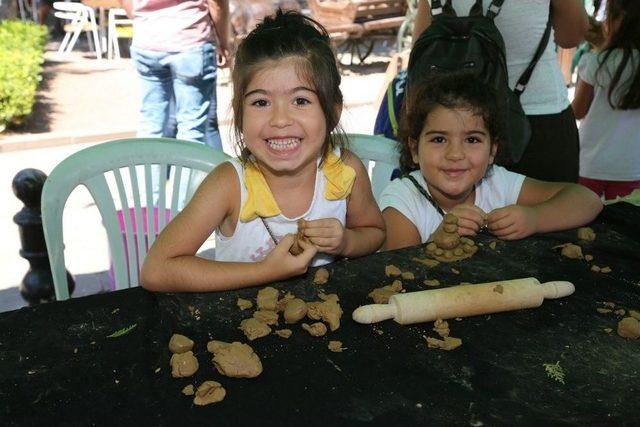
x=57 y=365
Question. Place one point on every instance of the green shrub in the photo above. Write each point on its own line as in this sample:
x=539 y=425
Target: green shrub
x=21 y=58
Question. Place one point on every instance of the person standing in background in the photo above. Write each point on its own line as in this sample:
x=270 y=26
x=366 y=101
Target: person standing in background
x=175 y=56
x=553 y=150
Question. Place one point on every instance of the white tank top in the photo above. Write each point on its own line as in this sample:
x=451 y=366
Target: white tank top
x=522 y=24
x=251 y=241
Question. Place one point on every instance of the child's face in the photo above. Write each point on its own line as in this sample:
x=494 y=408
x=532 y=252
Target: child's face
x=454 y=150
x=284 y=126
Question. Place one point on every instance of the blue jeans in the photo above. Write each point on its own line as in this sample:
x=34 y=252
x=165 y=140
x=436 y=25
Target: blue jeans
x=190 y=78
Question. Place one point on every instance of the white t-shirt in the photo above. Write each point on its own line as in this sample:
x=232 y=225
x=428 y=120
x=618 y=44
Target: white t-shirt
x=251 y=241
x=522 y=24
x=609 y=139
x=498 y=189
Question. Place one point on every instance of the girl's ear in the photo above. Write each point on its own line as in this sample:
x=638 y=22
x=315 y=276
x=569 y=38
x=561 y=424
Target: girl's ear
x=338 y=112
x=413 y=148
x=492 y=155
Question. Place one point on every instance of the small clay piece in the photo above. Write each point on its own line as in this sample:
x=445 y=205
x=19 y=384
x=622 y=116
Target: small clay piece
x=587 y=234
x=335 y=346
x=282 y=302
x=430 y=263
x=595 y=268
x=321 y=277
x=244 y=304
x=328 y=297
x=331 y=312
x=188 y=390
x=253 y=328
x=295 y=248
x=392 y=270
x=498 y=289
x=313 y=310
x=267 y=298
x=620 y=312
x=449 y=343
x=441 y=327
x=183 y=364
x=235 y=360
x=492 y=245
x=603 y=310
x=407 y=275
x=445 y=244
x=608 y=330
x=629 y=328
x=431 y=282
x=295 y=310
x=382 y=295
x=454 y=271
x=266 y=316
x=609 y=304
x=605 y=270
x=283 y=333
x=635 y=314
x=588 y=258
x=180 y=344
x=209 y=392
x=317 y=329
x=570 y=250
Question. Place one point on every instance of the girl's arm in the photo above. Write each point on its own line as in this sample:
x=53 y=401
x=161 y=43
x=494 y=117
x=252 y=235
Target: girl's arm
x=401 y=232
x=543 y=207
x=171 y=264
x=570 y=22
x=582 y=99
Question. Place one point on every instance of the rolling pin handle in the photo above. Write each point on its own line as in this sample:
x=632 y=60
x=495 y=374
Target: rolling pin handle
x=374 y=313
x=557 y=289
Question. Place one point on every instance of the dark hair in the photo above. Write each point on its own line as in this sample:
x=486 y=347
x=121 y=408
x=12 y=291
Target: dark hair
x=451 y=91
x=627 y=38
x=290 y=35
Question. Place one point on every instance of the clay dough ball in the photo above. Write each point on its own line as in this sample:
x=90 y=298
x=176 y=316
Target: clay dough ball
x=635 y=314
x=449 y=343
x=382 y=295
x=571 y=251
x=441 y=327
x=244 y=304
x=209 y=392
x=321 y=277
x=407 y=275
x=586 y=233
x=605 y=269
x=180 y=344
x=317 y=329
x=392 y=270
x=189 y=390
x=266 y=316
x=282 y=302
x=253 y=328
x=450 y=219
x=295 y=310
x=214 y=346
x=295 y=248
x=595 y=268
x=431 y=282
x=284 y=333
x=629 y=327
x=183 y=364
x=237 y=360
x=331 y=312
x=267 y=298
x=335 y=346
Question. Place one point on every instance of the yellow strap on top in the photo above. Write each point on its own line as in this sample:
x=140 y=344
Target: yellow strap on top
x=261 y=203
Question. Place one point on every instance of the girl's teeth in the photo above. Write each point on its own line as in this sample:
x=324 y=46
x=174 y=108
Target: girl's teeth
x=283 y=144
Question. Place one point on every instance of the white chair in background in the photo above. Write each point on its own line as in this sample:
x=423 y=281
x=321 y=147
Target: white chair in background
x=118 y=27
x=82 y=19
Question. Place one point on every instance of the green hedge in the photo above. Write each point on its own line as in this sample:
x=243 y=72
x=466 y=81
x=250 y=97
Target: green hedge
x=21 y=58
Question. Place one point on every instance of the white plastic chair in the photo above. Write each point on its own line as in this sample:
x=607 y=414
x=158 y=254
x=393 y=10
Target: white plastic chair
x=118 y=26
x=380 y=156
x=117 y=171
x=82 y=19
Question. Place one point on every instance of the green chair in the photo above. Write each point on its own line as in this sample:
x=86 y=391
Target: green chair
x=121 y=171
x=380 y=156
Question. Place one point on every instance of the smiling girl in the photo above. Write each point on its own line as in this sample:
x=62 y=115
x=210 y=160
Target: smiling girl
x=287 y=102
x=450 y=135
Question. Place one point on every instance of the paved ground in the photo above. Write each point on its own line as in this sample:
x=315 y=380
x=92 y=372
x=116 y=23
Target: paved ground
x=83 y=101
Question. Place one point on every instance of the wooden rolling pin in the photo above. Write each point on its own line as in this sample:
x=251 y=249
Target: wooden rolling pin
x=463 y=301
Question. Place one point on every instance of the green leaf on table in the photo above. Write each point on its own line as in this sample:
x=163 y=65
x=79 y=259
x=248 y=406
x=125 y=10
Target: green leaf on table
x=554 y=371
x=123 y=331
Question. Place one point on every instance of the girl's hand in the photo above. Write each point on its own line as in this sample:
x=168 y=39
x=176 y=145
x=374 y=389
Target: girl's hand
x=470 y=219
x=512 y=222
x=327 y=234
x=282 y=264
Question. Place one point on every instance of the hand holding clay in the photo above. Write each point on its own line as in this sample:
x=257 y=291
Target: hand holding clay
x=280 y=264
x=513 y=222
x=327 y=234
x=470 y=219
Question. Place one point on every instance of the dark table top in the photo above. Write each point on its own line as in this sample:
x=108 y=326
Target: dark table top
x=58 y=366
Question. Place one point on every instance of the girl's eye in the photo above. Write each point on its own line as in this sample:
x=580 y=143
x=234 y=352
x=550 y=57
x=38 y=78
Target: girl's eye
x=473 y=140
x=301 y=101
x=438 y=139
x=260 y=103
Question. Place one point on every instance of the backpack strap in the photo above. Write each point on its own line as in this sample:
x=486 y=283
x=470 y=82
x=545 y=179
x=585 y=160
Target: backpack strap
x=521 y=85
x=476 y=9
x=392 y=110
x=437 y=8
x=425 y=194
x=494 y=8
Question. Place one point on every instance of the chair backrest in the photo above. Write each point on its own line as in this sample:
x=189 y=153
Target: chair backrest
x=75 y=12
x=133 y=174
x=380 y=156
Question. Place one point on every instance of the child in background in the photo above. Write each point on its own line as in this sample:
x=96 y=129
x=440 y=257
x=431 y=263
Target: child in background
x=608 y=98
x=286 y=103
x=450 y=134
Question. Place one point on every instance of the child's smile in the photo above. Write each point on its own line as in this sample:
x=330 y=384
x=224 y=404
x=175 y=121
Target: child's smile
x=454 y=151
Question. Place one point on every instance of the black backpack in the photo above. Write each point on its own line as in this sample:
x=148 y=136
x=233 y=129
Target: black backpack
x=473 y=44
